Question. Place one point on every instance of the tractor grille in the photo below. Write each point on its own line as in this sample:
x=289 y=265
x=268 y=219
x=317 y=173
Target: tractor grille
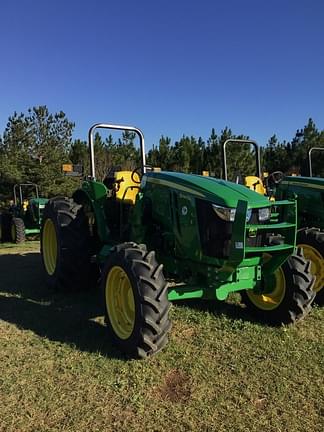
x=252 y=240
x=215 y=234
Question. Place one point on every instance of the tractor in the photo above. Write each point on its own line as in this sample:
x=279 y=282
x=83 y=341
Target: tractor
x=310 y=207
x=310 y=203
x=154 y=237
x=24 y=216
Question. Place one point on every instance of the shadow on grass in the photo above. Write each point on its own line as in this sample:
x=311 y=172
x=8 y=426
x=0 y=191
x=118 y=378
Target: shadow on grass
x=234 y=311
x=26 y=301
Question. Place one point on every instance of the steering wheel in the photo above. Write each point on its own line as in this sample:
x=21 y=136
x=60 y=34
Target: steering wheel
x=137 y=171
x=276 y=177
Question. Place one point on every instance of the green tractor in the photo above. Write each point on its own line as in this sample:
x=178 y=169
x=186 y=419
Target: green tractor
x=24 y=216
x=310 y=206
x=310 y=203
x=158 y=237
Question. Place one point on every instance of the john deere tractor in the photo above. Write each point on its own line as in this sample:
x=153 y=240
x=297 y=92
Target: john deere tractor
x=310 y=202
x=309 y=192
x=161 y=236
x=24 y=215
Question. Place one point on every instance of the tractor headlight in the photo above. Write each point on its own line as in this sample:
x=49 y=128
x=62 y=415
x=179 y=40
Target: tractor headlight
x=248 y=214
x=264 y=214
x=225 y=213
x=228 y=214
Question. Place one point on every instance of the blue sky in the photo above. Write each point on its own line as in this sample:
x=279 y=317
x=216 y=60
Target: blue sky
x=169 y=67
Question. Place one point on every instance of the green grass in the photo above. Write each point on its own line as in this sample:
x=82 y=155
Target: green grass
x=220 y=372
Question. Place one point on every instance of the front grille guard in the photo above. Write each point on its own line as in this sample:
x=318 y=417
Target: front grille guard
x=282 y=225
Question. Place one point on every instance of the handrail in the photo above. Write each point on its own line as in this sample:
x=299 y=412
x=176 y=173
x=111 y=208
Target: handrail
x=310 y=158
x=20 y=185
x=242 y=141
x=113 y=127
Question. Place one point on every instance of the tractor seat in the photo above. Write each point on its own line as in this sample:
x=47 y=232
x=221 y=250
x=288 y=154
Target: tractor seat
x=255 y=183
x=127 y=188
x=25 y=205
x=109 y=180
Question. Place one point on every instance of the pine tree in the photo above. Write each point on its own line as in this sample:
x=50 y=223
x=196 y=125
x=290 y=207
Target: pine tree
x=34 y=147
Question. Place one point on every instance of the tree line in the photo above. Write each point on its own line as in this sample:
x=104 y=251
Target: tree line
x=35 y=145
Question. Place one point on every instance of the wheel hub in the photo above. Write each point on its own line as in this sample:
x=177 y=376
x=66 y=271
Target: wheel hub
x=317 y=265
x=49 y=246
x=274 y=292
x=120 y=302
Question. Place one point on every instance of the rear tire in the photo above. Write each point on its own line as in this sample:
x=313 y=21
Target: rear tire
x=292 y=296
x=17 y=230
x=136 y=301
x=66 y=245
x=311 y=240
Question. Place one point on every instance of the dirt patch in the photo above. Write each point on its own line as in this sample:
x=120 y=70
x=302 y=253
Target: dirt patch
x=177 y=386
x=260 y=403
x=181 y=331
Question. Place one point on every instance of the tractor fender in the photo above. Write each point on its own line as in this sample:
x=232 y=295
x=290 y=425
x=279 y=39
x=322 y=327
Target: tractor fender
x=94 y=211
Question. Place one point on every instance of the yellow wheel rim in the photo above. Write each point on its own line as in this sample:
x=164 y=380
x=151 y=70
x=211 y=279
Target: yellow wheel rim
x=317 y=265
x=49 y=243
x=270 y=301
x=13 y=232
x=120 y=302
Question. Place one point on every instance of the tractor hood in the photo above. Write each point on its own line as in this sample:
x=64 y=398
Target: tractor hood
x=218 y=191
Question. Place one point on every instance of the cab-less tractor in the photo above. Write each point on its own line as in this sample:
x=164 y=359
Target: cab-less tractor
x=310 y=203
x=24 y=216
x=163 y=236
x=309 y=192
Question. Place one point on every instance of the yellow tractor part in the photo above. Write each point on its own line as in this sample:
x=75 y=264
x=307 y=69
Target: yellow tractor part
x=317 y=265
x=49 y=246
x=128 y=186
x=25 y=205
x=120 y=302
x=270 y=301
x=255 y=183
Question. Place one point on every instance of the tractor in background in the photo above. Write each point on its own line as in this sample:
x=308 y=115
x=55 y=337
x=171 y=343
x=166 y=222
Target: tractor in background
x=157 y=237
x=24 y=216
x=309 y=192
x=310 y=204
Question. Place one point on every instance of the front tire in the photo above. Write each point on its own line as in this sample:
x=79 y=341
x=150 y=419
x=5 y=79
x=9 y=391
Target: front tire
x=290 y=298
x=136 y=301
x=66 y=245
x=311 y=240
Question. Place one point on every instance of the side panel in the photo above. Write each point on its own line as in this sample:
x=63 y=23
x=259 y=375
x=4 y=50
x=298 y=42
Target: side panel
x=170 y=221
x=310 y=199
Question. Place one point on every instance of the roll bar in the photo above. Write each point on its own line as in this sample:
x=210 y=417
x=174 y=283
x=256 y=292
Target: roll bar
x=113 y=127
x=242 y=141
x=310 y=158
x=21 y=185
